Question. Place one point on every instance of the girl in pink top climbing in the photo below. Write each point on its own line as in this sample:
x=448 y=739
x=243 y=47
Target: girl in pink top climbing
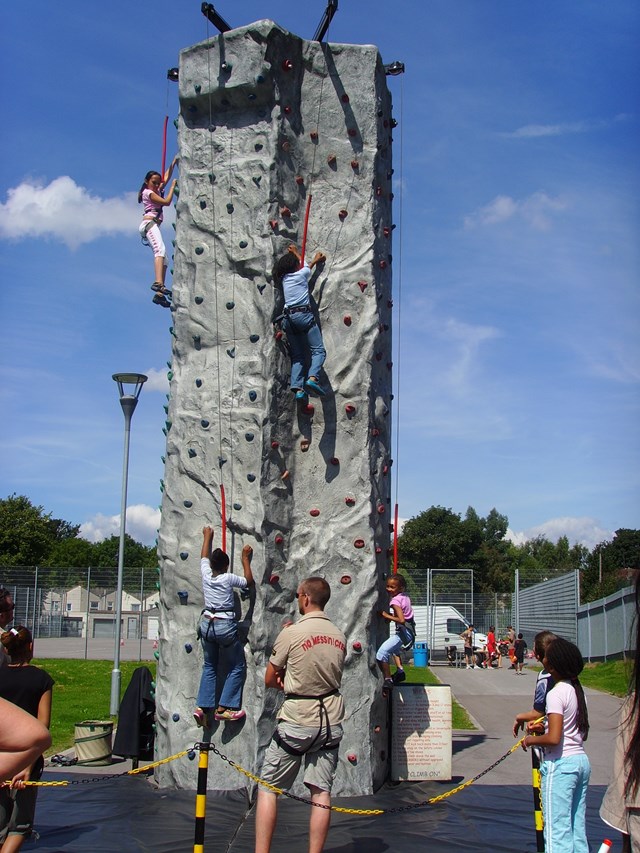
x=153 y=202
x=401 y=612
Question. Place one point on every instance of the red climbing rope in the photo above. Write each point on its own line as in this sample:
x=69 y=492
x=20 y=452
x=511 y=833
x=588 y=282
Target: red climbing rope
x=395 y=540
x=164 y=146
x=223 y=520
x=304 y=230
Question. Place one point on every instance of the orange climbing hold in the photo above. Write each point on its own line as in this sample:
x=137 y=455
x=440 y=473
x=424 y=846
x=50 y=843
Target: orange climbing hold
x=284 y=475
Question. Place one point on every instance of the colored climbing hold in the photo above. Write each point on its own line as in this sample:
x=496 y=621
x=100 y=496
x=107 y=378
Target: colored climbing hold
x=332 y=160
x=383 y=264
x=188 y=504
x=274 y=579
x=259 y=78
x=231 y=352
x=198 y=300
x=287 y=110
x=275 y=445
x=278 y=335
x=237 y=506
x=254 y=338
x=389 y=303
x=230 y=208
x=356 y=646
x=226 y=66
x=345 y=98
x=258 y=146
x=350 y=409
x=385 y=470
x=198 y=383
x=257 y=180
x=350 y=501
x=380 y=509
x=243 y=244
x=192 y=453
x=184 y=555
x=363 y=286
x=314 y=512
x=156 y=655
x=352 y=758
x=304 y=445
x=221 y=460
x=352 y=132
x=347 y=320
x=314 y=135
x=343 y=215
x=251 y=478
x=375 y=431
x=308 y=409
x=199 y=250
x=285 y=212
x=334 y=460
x=287 y=65
x=299 y=180
x=377 y=729
x=345 y=579
x=203 y=204
x=198 y=88
x=279 y=539
x=204 y=423
x=359 y=543
x=191 y=754
x=249 y=436
x=253 y=396
x=197 y=342
x=386 y=231
x=284 y=475
x=211 y=128
x=355 y=165
x=183 y=595
x=175 y=717
x=273 y=223
x=378 y=549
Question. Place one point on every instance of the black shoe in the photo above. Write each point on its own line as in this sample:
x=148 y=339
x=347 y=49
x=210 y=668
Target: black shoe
x=159 y=299
x=399 y=676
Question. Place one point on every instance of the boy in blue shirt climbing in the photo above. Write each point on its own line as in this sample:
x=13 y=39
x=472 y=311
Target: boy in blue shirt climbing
x=299 y=322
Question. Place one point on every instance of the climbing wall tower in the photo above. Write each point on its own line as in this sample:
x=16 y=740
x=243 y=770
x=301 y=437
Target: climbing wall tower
x=266 y=120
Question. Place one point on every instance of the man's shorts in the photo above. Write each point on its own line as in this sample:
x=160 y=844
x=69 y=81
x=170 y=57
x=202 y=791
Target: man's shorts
x=320 y=761
x=17 y=808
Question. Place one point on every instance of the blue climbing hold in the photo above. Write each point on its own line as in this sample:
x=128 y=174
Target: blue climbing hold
x=221 y=460
x=230 y=208
x=230 y=304
x=191 y=754
x=251 y=477
x=243 y=244
x=199 y=250
x=204 y=423
x=261 y=288
x=192 y=453
x=253 y=396
x=198 y=383
x=231 y=352
x=184 y=555
x=249 y=436
x=188 y=648
x=254 y=338
x=188 y=504
x=237 y=506
x=197 y=342
x=175 y=717
x=198 y=300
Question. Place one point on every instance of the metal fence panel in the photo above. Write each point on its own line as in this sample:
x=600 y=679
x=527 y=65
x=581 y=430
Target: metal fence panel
x=606 y=628
x=551 y=605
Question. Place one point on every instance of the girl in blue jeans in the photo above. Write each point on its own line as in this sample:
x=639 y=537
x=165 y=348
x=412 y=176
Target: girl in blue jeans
x=219 y=632
x=299 y=323
x=565 y=770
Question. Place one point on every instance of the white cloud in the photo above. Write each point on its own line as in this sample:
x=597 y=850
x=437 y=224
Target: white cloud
x=142 y=523
x=156 y=380
x=530 y=131
x=64 y=211
x=534 y=210
x=584 y=530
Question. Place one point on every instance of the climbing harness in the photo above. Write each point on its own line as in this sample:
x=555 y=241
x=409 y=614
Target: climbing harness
x=322 y=711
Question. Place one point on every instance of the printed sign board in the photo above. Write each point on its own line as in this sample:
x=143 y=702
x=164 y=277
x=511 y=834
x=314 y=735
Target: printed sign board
x=420 y=733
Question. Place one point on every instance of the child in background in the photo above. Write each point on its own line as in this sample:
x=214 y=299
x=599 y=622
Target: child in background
x=400 y=612
x=519 y=648
x=219 y=632
x=30 y=688
x=565 y=770
x=544 y=683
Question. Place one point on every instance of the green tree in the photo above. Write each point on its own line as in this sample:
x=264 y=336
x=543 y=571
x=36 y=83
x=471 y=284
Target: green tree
x=27 y=533
x=611 y=564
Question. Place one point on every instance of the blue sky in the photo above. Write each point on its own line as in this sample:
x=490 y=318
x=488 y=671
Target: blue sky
x=516 y=254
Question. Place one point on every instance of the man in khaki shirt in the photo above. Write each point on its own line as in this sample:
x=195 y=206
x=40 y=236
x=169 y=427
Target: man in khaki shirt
x=307 y=663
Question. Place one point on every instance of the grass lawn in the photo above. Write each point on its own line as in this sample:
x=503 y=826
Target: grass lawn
x=82 y=691
x=611 y=677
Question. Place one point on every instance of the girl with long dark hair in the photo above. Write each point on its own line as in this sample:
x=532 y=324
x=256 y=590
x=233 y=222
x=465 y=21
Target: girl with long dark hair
x=151 y=197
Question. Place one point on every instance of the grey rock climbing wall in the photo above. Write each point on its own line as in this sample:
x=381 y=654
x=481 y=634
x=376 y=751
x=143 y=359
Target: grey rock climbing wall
x=266 y=120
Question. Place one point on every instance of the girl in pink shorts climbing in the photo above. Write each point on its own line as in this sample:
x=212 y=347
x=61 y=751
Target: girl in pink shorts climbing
x=151 y=198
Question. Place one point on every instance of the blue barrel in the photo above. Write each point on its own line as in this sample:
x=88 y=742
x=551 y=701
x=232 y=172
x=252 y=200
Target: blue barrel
x=420 y=654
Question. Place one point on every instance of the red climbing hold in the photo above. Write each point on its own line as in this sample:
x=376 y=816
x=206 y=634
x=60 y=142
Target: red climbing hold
x=314 y=135
x=285 y=212
x=274 y=579
x=363 y=286
x=378 y=191
x=287 y=65
x=380 y=509
x=355 y=165
x=332 y=159
x=352 y=132
x=357 y=647
x=352 y=757
x=299 y=180
x=375 y=431
x=275 y=445
x=334 y=460
x=308 y=409
x=359 y=543
x=279 y=335
x=350 y=409
x=284 y=475
x=383 y=264
x=350 y=501
x=286 y=145
x=345 y=579
x=345 y=98
x=314 y=512
x=273 y=223
x=287 y=110
x=378 y=549
x=385 y=470
x=386 y=231
x=279 y=540
x=343 y=215
x=347 y=320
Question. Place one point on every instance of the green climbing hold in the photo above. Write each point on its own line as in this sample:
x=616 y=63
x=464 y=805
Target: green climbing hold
x=192 y=453
x=170 y=375
x=237 y=506
x=204 y=423
x=198 y=300
x=254 y=338
x=198 y=88
x=231 y=305
x=188 y=504
x=249 y=436
x=243 y=244
x=230 y=208
x=156 y=655
x=199 y=250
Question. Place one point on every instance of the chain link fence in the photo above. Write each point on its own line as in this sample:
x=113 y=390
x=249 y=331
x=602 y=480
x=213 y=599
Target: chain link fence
x=81 y=604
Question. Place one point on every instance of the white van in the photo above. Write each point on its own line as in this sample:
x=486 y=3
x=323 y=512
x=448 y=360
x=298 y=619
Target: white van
x=440 y=626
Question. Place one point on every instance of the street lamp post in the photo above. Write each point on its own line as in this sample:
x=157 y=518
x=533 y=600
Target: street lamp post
x=129 y=387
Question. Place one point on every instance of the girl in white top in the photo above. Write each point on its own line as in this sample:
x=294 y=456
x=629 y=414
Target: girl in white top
x=565 y=770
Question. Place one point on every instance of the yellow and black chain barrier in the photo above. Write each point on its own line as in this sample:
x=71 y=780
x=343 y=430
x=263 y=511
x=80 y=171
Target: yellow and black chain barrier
x=64 y=782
